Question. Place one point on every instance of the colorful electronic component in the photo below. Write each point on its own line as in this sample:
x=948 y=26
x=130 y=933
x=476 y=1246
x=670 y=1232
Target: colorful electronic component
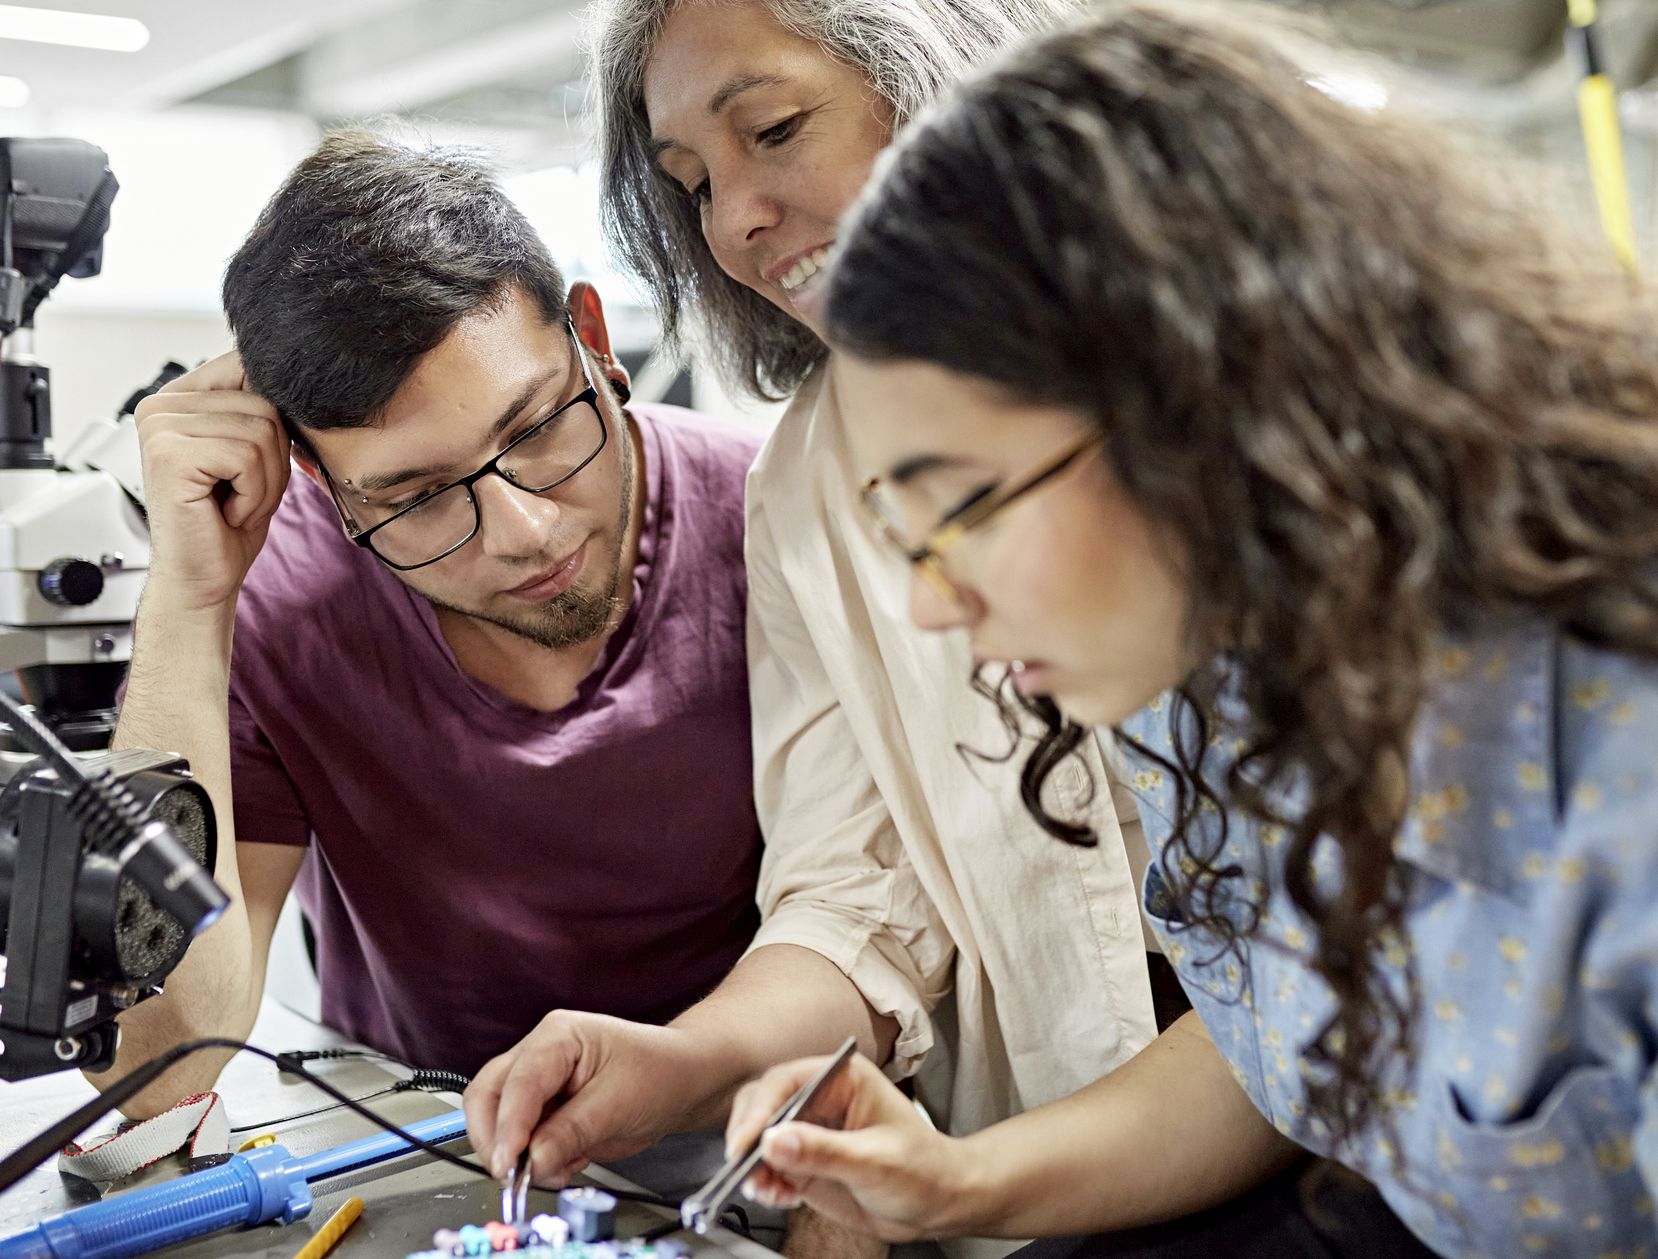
x=448 y=1243
x=583 y=1229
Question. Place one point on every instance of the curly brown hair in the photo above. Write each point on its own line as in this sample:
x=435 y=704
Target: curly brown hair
x=1364 y=387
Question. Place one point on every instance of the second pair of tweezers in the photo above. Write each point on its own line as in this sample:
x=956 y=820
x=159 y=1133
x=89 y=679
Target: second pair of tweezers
x=700 y=1211
x=515 y=1193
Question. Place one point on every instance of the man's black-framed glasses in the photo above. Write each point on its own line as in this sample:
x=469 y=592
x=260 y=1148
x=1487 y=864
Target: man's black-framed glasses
x=438 y=523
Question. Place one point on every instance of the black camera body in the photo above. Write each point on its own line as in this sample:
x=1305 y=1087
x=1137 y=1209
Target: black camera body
x=82 y=936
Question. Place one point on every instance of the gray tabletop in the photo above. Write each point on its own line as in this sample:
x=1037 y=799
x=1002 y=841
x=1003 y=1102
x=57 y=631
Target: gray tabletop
x=405 y=1200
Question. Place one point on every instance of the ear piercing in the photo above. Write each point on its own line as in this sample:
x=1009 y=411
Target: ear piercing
x=618 y=383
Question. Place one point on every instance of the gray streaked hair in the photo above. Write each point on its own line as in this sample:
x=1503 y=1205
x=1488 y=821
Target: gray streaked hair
x=907 y=49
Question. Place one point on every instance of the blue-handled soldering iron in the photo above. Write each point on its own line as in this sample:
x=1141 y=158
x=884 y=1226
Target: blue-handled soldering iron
x=261 y=1186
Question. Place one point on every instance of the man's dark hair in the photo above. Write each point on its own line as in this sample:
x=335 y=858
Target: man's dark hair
x=365 y=259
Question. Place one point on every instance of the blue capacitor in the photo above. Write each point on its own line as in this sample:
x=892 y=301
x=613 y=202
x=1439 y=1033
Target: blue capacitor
x=590 y=1213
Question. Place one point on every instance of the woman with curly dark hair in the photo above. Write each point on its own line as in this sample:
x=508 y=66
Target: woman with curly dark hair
x=1285 y=439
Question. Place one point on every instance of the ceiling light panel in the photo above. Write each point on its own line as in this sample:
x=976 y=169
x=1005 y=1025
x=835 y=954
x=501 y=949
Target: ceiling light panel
x=76 y=30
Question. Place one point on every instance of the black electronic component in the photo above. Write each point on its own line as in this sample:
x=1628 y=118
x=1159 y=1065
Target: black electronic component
x=590 y=1213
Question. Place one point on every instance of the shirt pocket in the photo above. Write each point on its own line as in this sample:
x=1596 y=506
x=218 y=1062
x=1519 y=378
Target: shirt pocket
x=1543 y=1183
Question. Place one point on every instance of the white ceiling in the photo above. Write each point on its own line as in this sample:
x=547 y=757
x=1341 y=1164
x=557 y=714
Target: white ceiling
x=516 y=61
x=507 y=68
x=195 y=45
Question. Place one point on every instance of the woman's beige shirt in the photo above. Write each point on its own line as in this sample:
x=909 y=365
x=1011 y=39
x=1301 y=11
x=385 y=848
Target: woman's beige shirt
x=1013 y=963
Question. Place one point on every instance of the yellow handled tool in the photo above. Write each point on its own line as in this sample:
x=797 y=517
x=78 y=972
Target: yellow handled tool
x=1597 y=105
x=332 y=1231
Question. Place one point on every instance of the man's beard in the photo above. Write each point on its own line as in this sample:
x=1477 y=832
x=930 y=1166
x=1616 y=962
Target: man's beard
x=573 y=616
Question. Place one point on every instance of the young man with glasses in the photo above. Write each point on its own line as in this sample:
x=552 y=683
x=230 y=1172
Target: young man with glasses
x=487 y=708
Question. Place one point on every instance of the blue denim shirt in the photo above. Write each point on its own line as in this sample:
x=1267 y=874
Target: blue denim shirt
x=1528 y=1121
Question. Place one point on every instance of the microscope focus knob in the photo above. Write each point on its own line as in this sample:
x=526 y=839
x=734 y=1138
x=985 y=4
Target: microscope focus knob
x=71 y=583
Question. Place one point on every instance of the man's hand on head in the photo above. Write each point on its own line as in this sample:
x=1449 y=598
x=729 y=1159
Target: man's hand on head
x=215 y=468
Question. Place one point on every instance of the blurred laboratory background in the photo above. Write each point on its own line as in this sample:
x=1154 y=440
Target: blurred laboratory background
x=203 y=105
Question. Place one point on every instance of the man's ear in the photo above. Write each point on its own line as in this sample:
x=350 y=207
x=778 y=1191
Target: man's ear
x=587 y=314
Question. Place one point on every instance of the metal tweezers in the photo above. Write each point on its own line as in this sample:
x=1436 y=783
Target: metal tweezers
x=515 y=1193
x=702 y=1209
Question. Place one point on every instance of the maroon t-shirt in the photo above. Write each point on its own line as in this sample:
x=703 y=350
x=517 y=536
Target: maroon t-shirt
x=475 y=863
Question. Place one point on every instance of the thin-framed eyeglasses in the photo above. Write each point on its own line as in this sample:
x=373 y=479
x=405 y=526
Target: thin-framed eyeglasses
x=541 y=458
x=926 y=557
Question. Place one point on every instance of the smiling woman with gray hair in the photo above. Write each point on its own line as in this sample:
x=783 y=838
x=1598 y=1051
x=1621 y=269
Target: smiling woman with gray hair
x=905 y=51
x=905 y=890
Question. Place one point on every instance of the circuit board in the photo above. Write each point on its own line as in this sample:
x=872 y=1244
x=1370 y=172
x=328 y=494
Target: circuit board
x=584 y=1228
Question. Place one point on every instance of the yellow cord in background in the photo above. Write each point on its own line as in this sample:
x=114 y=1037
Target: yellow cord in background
x=331 y=1232
x=1597 y=105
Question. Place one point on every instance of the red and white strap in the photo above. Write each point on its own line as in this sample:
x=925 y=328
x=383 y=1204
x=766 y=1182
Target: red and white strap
x=198 y=1122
